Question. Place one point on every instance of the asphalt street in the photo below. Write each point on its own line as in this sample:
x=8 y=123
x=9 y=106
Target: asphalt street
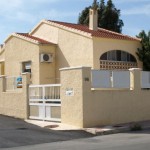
x=16 y=133
x=122 y=141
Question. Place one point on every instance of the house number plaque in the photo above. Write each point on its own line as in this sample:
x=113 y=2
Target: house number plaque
x=69 y=92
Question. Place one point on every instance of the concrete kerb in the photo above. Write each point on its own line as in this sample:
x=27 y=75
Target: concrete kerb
x=97 y=131
x=118 y=128
x=107 y=130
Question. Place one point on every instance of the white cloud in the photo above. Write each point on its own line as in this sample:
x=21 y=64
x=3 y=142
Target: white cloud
x=52 y=1
x=130 y=1
x=18 y=16
x=10 y=4
x=45 y=1
x=132 y=31
x=4 y=32
x=25 y=17
x=31 y=18
x=54 y=14
x=62 y=1
x=140 y=10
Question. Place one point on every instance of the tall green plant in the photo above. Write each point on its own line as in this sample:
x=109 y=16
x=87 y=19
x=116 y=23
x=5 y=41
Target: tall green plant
x=108 y=16
x=144 y=52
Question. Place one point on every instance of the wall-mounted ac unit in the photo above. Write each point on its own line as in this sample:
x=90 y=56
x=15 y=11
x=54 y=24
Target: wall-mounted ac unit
x=46 y=58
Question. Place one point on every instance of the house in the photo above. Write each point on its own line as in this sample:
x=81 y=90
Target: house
x=108 y=87
x=67 y=45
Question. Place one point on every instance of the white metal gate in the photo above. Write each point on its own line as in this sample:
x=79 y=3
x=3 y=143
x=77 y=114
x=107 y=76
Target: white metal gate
x=44 y=102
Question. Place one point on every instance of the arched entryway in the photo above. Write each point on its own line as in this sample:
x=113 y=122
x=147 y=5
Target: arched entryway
x=117 y=59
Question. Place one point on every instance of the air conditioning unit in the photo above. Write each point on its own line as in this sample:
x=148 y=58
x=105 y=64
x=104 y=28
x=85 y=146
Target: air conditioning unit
x=46 y=58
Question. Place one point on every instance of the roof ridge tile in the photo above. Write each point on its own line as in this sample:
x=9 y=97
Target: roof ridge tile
x=98 y=33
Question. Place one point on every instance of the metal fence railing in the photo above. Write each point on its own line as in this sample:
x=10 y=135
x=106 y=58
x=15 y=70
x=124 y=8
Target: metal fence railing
x=44 y=102
x=145 y=79
x=117 y=79
x=110 y=79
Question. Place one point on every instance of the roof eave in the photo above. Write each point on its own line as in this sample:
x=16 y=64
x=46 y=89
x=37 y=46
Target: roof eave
x=132 y=39
x=62 y=27
x=27 y=39
x=40 y=43
x=21 y=37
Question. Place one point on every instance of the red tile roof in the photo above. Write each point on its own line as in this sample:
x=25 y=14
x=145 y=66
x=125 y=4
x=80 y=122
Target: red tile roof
x=103 y=33
x=39 y=40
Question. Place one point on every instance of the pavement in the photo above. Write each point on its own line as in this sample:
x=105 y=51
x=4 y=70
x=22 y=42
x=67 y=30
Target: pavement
x=139 y=140
x=16 y=132
x=52 y=125
x=100 y=130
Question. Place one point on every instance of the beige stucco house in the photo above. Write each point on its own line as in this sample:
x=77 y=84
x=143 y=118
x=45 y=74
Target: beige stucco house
x=66 y=45
x=93 y=66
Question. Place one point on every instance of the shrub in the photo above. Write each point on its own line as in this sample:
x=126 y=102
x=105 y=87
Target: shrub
x=135 y=127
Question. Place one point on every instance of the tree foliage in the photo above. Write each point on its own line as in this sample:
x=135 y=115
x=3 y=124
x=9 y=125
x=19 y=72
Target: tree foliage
x=108 y=16
x=83 y=17
x=144 y=52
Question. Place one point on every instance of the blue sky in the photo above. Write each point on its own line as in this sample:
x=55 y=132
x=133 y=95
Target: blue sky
x=23 y=15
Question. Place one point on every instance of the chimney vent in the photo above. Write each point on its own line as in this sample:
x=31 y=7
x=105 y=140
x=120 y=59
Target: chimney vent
x=93 y=19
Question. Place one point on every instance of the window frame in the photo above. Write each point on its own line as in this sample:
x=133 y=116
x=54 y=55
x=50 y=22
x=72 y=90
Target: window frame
x=118 y=55
x=23 y=67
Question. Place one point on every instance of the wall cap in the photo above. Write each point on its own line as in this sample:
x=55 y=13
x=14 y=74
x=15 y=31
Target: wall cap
x=25 y=73
x=2 y=60
x=3 y=76
x=73 y=68
x=132 y=69
x=110 y=89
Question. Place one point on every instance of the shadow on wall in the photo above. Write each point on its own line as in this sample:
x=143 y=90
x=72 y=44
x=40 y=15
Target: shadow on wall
x=61 y=61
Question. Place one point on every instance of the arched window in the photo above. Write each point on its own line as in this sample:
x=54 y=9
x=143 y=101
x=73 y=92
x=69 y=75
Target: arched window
x=117 y=59
x=118 y=55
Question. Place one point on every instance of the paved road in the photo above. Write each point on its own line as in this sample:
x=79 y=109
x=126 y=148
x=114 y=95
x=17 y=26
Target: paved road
x=122 y=141
x=15 y=133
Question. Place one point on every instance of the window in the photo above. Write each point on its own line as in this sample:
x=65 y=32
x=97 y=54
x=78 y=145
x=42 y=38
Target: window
x=118 y=55
x=123 y=56
x=2 y=68
x=111 y=55
x=128 y=57
x=26 y=66
x=104 y=56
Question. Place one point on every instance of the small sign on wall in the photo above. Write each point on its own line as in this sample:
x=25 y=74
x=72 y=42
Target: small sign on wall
x=69 y=92
x=19 y=82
